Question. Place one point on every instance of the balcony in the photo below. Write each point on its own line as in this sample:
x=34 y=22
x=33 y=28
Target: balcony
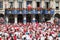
x=29 y=11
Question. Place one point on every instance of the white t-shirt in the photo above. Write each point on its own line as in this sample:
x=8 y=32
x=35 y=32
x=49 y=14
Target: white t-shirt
x=50 y=38
x=17 y=33
x=42 y=38
x=26 y=36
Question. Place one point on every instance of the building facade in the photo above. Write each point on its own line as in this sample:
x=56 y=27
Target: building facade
x=15 y=11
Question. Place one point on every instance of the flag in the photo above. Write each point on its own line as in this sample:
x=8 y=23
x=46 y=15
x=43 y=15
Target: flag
x=51 y=11
x=29 y=7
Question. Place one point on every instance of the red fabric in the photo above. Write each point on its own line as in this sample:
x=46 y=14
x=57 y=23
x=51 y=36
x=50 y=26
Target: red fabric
x=15 y=38
x=0 y=38
x=29 y=7
x=9 y=38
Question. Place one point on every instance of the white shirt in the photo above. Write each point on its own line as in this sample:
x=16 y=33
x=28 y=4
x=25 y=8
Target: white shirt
x=27 y=37
x=17 y=33
x=50 y=38
x=42 y=38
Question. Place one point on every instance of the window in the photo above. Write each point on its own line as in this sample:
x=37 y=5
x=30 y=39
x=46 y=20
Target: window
x=38 y=4
x=29 y=2
x=11 y=4
x=57 y=5
x=20 y=4
x=1 y=5
x=47 y=4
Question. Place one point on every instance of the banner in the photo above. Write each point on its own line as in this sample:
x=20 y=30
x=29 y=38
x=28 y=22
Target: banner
x=29 y=12
x=34 y=12
x=46 y=11
x=14 y=12
x=8 y=11
x=51 y=11
x=24 y=12
x=41 y=11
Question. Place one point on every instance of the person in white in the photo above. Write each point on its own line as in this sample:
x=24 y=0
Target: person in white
x=42 y=37
x=50 y=38
x=26 y=36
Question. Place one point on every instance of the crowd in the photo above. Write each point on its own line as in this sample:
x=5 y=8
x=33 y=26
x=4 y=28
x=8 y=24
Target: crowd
x=31 y=31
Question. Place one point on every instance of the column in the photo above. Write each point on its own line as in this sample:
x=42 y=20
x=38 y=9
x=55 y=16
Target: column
x=24 y=18
x=15 y=18
x=4 y=5
x=15 y=4
x=54 y=7
x=52 y=4
x=24 y=4
x=6 y=19
x=33 y=18
x=59 y=7
x=42 y=4
x=7 y=4
x=34 y=5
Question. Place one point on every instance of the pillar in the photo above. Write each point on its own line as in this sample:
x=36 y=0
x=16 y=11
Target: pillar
x=53 y=4
x=33 y=18
x=34 y=5
x=50 y=6
x=7 y=4
x=59 y=6
x=24 y=18
x=15 y=4
x=6 y=19
x=42 y=4
x=15 y=18
x=24 y=4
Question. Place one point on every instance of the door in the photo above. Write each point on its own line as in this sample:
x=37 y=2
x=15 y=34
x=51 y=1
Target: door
x=37 y=17
x=11 y=18
x=20 y=18
x=28 y=16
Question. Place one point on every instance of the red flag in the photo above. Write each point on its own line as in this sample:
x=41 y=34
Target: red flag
x=29 y=7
